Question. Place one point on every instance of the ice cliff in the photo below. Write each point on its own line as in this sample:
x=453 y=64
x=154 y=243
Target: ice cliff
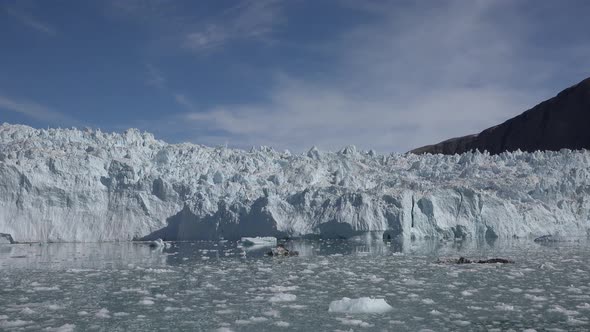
x=87 y=185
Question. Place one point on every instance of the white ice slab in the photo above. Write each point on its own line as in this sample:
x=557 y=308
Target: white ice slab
x=363 y=305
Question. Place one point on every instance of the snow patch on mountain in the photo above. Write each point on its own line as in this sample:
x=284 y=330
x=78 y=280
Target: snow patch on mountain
x=87 y=185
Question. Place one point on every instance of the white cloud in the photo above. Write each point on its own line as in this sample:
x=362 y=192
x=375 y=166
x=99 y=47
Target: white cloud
x=413 y=76
x=183 y=101
x=32 y=22
x=155 y=77
x=252 y=19
x=300 y=116
x=34 y=110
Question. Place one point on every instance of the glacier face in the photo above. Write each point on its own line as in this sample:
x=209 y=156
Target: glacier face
x=86 y=185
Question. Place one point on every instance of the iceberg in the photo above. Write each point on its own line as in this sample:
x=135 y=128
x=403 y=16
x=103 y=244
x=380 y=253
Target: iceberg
x=158 y=243
x=71 y=185
x=363 y=305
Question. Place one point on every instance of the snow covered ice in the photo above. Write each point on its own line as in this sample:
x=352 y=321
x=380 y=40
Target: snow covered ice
x=86 y=185
x=363 y=305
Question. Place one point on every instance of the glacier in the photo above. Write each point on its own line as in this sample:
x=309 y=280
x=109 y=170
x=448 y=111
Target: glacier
x=72 y=185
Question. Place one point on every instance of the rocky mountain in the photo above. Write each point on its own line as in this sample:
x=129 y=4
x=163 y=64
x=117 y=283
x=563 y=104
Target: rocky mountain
x=557 y=123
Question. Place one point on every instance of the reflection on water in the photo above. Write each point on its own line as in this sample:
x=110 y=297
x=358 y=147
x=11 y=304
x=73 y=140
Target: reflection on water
x=211 y=285
x=113 y=255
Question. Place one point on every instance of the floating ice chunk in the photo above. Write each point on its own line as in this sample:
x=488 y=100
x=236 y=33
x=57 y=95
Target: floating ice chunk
x=280 y=289
x=283 y=297
x=535 y=298
x=259 y=241
x=146 y=301
x=354 y=322
x=14 y=323
x=272 y=313
x=159 y=243
x=43 y=288
x=55 y=307
x=103 y=313
x=360 y=305
x=258 y=319
x=27 y=311
x=504 y=307
x=63 y=328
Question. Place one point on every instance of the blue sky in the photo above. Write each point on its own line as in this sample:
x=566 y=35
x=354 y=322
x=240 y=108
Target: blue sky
x=388 y=75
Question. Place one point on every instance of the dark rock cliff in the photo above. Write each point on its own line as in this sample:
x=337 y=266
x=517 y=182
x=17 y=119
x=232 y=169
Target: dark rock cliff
x=560 y=122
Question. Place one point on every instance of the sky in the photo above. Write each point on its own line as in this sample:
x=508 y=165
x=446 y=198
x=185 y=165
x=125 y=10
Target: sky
x=290 y=74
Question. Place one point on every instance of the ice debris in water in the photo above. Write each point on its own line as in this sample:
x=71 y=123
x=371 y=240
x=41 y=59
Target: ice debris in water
x=259 y=241
x=159 y=243
x=360 y=305
x=151 y=189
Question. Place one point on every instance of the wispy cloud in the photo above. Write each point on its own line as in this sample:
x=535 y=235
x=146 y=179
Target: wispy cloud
x=155 y=77
x=254 y=20
x=182 y=100
x=32 y=22
x=34 y=110
x=301 y=115
x=412 y=76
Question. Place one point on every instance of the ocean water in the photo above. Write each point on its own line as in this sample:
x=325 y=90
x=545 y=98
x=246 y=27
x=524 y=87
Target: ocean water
x=208 y=286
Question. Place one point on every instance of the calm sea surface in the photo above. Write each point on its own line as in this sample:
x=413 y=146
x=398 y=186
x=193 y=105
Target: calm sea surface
x=208 y=286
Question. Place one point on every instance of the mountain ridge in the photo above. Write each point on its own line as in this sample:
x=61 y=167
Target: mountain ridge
x=557 y=123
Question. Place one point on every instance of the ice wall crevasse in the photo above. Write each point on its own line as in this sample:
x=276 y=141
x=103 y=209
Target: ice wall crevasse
x=87 y=185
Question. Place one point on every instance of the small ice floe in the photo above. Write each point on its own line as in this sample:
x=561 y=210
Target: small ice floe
x=103 y=313
x=428 y=301
x=63 y=328
x=360 y=305
x=283 y=297
x=27 y=311
x=354 y=322
x=224 y=329
x=146 y=301
x=266 y=241
x=504 y=307
x=14 y=323
x=159 y=243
